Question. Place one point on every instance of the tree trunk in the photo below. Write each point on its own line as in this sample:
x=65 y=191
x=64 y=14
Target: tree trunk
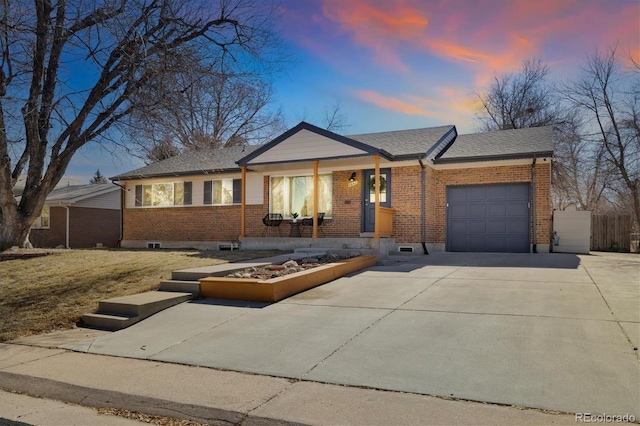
x=14 y=230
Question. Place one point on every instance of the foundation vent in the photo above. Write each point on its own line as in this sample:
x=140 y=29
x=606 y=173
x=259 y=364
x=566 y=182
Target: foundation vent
x=405 y=249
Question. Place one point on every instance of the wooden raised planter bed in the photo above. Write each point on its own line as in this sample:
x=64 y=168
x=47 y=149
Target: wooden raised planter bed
x=275 y=289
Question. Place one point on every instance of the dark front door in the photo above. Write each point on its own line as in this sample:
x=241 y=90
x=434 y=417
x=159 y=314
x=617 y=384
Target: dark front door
x=369 y=197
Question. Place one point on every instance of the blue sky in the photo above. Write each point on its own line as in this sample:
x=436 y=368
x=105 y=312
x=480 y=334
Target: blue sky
x=400 y=64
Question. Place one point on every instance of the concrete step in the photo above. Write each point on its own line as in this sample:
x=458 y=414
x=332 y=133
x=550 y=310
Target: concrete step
x=142 y=304
x=310 y=251
x=121 y=312
x=192 y=287
x=108 y=322
x=415 y=252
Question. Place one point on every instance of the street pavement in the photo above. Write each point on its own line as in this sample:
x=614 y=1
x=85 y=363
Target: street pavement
x=410 y=342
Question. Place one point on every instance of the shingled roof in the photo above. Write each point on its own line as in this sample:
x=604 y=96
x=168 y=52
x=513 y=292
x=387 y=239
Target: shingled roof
x=499 y=145
x=405 y=143
x=75 y=193
x=204 y=161
x=441 y=143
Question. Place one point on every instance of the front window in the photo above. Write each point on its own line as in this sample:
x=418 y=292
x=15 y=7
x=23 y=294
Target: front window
x=43 y=220
x=163 y=194
x=222 y=191
x=294 y=194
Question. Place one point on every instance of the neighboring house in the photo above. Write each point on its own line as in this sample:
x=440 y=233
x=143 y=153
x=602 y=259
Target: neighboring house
x=80 y=216
x=22 y=180
x=439 y=191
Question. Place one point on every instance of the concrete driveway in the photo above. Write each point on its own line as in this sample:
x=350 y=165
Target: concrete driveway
x=551 y=331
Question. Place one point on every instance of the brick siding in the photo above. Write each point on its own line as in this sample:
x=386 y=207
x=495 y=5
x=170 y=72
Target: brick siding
x=88 y=226
x=406 y=200
x=55 y=235
x=222 y=223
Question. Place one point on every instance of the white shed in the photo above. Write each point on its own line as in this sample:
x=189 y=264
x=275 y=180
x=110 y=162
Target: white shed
x=572 y=231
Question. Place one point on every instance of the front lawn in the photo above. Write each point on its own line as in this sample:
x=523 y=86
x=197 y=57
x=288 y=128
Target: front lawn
x=46 y=293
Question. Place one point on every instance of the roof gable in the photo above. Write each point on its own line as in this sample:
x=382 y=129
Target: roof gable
x=306 y=142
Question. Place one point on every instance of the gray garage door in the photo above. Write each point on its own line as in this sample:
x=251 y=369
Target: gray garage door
x=488 y=218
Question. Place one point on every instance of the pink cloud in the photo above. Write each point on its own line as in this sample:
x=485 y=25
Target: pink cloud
x=446 y=102
x=379 y=27
x=391 y=103
x=485 y=35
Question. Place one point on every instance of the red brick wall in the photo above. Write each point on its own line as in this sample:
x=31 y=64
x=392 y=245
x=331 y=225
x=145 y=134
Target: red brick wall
x=347 y=207
x=88 y=226
x=91 y=226
x=406 y=200
x=56 y=234
x=213 y=223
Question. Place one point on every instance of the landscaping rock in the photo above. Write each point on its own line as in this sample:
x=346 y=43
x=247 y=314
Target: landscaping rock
x=290 y=264
x=288 y=267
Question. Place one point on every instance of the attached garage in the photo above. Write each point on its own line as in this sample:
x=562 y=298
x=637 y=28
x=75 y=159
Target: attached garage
x=488 y=218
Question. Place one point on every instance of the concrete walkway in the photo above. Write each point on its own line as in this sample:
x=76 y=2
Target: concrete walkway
x=546 y=331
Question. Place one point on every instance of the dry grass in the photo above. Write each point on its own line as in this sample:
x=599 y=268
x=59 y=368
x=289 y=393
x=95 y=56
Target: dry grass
x=52 y=292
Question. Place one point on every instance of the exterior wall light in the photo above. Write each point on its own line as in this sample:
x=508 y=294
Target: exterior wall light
x=352 y=180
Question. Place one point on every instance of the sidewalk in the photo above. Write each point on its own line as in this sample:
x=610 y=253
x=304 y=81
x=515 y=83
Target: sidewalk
x=207 y=395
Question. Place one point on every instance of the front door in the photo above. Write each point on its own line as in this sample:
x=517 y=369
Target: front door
x=369 y=197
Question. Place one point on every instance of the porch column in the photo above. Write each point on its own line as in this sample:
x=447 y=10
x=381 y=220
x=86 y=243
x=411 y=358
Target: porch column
x=376 y=233
x=243 y=195
x=315 y=199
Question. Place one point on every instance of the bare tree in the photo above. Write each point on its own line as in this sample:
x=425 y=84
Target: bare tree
x=607 y=96
x=334 y=118
x=527 y=99
x=71 y=70
x=580 y=175
x=208 y=107
x=517 y=101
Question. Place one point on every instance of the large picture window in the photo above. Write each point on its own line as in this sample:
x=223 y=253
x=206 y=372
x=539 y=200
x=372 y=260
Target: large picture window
x=163 y=194
x=294 y=194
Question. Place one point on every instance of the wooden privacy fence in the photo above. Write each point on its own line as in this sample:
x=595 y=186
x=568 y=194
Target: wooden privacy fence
x=611 y=233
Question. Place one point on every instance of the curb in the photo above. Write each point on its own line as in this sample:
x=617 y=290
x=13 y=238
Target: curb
x=99 y=398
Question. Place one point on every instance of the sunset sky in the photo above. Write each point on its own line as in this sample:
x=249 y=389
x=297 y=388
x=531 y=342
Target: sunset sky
x=401 y=64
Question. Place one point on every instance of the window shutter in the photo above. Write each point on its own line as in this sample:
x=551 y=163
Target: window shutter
x=207 y=192
x=187 y=194
x=237 y=191
x=138 y=195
